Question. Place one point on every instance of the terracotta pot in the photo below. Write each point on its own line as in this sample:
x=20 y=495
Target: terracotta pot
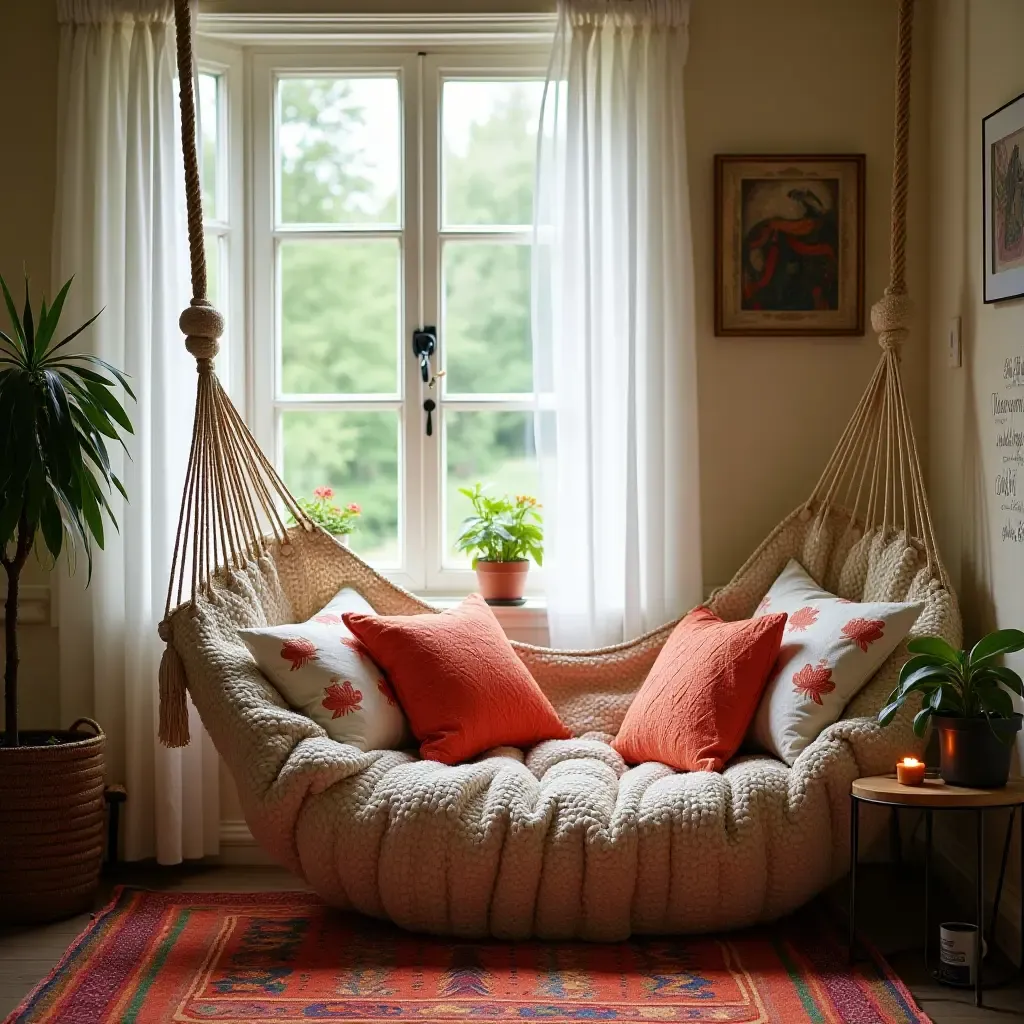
x=51 y=824
x=501 y=582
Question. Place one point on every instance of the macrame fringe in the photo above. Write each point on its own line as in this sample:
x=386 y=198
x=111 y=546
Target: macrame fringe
x=173 y=700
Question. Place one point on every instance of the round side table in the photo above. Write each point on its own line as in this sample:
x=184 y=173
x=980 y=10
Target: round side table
x=934 y=795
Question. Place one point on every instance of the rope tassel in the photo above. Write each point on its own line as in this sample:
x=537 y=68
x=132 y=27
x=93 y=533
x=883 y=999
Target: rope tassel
x=173 y=700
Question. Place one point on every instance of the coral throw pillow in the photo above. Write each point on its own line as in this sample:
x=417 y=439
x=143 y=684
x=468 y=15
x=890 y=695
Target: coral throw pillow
x=321 y=670
x=459 y=681
x=830 y=649
x=696 y=703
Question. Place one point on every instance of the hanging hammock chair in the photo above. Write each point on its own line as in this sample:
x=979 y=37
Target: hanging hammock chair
x=563 y=841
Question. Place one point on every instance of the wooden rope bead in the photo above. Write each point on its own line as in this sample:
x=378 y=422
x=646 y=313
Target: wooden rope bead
x=201 y=321
x=201 y=347
x=890 y=318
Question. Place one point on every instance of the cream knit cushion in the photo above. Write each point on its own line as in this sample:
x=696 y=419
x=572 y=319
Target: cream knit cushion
x=320 y=669
x=562 y=841
x=830 y=648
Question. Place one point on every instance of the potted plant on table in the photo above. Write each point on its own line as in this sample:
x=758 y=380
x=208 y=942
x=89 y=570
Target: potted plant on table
x=58 y=410
x=337 y=521
x=967 y=695
x=502 y=535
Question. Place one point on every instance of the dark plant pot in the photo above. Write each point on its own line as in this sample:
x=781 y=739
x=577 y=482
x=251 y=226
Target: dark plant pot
x=976 y=751
x=51 y=823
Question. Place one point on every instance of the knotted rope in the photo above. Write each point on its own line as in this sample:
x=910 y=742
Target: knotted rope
x=230 y=511
x=875 y=470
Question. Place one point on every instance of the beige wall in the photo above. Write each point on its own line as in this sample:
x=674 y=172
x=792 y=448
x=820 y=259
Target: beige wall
x=28 y=108
x=784 y=76
x=796 y=76
x=778 y=76
x=976 y=69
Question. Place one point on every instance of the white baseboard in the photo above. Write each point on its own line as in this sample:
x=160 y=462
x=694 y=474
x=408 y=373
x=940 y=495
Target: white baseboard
x=33 y=604
x=238 y=848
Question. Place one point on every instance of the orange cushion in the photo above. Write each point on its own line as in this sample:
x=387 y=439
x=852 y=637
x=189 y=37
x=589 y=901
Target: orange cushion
x=459 y=681
x=696 y=703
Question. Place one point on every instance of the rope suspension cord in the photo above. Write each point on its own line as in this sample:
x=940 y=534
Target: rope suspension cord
x=875 y=470
x=231 y=502
x=231 y=507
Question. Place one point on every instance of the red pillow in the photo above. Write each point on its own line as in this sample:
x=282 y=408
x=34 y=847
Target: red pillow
x=696 y=703
x=458 y=680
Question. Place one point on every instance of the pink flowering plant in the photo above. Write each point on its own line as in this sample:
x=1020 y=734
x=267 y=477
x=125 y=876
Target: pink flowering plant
x=501 y=529
x=333 y=518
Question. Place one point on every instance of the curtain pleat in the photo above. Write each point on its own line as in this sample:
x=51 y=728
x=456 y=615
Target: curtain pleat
x=614 y=333
x=120 y=230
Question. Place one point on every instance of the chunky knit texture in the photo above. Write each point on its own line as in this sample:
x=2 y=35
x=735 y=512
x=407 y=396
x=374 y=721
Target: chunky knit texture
x=562 y=841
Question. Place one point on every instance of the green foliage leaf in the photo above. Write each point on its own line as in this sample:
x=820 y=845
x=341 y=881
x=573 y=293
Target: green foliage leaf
x=934 y=646
x=1006 y=676
x=928 y=676
x=921 y=720
x=1002 y=641
x=56 y=417
x=12 y=312
x=501 y=529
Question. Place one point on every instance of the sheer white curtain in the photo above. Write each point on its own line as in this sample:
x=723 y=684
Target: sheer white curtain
x=119 y=228
x=614 y=336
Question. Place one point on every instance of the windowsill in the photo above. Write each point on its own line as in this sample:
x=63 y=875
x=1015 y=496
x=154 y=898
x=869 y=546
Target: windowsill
x=527 y=623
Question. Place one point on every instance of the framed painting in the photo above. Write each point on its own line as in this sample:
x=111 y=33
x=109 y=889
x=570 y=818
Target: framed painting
x=789 y=245
x=1002 y=134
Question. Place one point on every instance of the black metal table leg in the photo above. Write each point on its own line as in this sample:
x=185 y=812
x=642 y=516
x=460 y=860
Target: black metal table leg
x=980 y=911
x=854 y=830
x=927 y=889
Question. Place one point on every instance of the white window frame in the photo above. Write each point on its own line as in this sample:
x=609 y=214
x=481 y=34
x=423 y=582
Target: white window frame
x=420 y=80
x=226 y=63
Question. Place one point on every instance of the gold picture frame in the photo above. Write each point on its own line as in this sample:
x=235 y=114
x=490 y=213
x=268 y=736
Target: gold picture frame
x=789 y=245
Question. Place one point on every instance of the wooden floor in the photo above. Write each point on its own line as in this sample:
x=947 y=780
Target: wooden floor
x=890 y=916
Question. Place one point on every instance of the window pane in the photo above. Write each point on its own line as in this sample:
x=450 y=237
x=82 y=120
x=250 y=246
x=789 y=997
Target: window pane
x=209 y=87
x=339 y=143
x=489 y=151
x=213 y=287
x=339 y=317
x=495 y=449
x=356 y=454
x=486 y=319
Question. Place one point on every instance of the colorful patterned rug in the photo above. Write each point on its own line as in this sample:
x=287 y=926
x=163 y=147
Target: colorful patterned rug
x=152 y=957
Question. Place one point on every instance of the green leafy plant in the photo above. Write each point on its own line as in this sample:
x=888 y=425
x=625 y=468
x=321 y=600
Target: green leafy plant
x=964 y=684
x=501 y=529
x=58 y=410
x=334 y=519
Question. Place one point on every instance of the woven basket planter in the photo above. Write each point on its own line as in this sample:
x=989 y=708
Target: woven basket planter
x=51 y=824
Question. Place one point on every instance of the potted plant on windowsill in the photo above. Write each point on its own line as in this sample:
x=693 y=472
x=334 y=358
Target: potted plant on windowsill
x=58 y=410
x=966 y=694
x=502 y=535
x=337 y=521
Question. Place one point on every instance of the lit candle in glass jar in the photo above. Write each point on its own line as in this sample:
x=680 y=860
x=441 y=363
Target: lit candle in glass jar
x=910 y=771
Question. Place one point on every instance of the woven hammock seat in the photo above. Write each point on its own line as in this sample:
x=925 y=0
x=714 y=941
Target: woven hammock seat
x=563 y=840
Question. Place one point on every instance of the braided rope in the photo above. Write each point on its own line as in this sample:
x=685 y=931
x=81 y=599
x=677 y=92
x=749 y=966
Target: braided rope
x=193 y=187
x=231 y=503
x=232 y=494
x=875 y=469
x=901 y=153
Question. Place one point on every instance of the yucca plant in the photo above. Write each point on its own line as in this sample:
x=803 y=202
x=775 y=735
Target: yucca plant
x=58 y=410
x=962 y=684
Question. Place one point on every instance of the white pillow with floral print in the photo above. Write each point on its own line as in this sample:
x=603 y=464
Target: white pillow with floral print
x=830 y=648
x=322 y=670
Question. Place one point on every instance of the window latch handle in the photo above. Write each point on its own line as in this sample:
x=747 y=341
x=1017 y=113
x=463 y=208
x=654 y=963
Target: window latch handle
x=424 y=345
x=428 y=407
